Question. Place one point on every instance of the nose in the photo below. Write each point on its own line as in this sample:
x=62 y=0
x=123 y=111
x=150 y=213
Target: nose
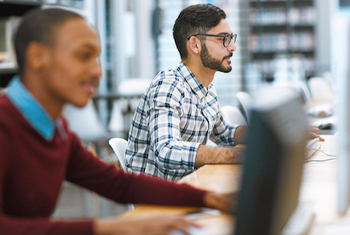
x=96 y=69
x=232 y=46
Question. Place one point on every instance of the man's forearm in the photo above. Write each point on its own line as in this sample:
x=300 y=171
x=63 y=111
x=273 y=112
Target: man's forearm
x=216 y=155
x=240 y=135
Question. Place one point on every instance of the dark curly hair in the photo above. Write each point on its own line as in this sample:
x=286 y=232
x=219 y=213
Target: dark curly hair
x=195 y=19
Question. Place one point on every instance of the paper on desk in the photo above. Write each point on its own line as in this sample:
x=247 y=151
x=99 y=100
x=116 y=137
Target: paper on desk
x=337 y=229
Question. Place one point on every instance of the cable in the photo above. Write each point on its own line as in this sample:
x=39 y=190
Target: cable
x=323 y=160
x=331 y=155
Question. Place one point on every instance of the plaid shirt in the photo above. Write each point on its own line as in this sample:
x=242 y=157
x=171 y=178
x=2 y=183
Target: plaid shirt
x=176 y=114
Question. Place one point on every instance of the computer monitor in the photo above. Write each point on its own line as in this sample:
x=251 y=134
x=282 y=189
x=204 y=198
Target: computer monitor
x=340 y=45
x=273 y=165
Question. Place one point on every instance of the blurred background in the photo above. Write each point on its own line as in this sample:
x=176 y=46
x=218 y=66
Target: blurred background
x=278 y=40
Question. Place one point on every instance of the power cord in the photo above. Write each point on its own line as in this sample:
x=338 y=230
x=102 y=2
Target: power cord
x=323 y=160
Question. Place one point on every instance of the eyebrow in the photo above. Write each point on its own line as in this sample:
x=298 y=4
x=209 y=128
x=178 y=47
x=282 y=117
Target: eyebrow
x=224 y=33
x=90 y=46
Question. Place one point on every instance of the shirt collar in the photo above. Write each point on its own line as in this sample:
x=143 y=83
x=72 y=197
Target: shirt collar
x=196 y=86
x=32 y=110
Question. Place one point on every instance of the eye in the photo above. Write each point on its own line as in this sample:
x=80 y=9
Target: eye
x=84 y=55
x=224 y=38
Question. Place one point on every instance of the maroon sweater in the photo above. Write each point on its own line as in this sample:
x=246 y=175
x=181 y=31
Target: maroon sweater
x=32 y=171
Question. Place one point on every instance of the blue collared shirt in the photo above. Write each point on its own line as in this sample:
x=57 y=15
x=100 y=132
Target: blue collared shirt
x=32 y=110
x=176 y=114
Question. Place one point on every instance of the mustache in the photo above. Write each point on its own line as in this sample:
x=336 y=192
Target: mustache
x=228 y=56
x=96 y=81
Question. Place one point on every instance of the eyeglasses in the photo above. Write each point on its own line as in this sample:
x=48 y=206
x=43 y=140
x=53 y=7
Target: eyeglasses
x=226 y=38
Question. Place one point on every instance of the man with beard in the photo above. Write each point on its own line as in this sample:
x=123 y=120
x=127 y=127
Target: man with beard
x=179 y=112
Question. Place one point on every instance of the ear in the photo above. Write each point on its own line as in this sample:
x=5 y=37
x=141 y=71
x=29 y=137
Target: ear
x=37 y=55
x=194 y=45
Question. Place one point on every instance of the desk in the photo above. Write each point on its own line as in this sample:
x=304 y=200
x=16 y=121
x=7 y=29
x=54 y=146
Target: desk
x=218 y=178
x=318 y=185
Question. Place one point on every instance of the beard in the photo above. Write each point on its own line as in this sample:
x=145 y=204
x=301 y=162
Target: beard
x=212 y=63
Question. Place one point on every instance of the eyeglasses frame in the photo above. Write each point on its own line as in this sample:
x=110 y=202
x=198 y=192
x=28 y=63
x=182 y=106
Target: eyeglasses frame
x=224 y=36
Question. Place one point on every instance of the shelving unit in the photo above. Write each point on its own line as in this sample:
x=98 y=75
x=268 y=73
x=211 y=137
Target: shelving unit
x=9 y=10
x=282 y=32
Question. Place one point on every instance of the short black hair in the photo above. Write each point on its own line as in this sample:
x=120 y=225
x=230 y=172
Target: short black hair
x=195 y=19
x=39 y=25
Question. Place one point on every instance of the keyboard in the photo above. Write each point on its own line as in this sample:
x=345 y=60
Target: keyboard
x=300 y=221
x=311 y=147
x=206 y=212
x=192 y=231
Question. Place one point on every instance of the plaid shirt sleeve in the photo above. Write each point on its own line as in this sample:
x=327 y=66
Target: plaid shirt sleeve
x=223 y=133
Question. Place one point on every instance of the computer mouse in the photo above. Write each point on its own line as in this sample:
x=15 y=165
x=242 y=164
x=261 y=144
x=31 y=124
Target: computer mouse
x=326 y=126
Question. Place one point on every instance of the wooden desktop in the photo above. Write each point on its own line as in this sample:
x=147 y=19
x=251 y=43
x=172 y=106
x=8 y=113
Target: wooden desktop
x=318 y=185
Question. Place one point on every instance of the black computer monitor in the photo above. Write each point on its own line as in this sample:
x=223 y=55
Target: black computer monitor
x=273 y=164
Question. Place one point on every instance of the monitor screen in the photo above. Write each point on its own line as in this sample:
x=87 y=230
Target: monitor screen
x=273 y=165
x=344 y=3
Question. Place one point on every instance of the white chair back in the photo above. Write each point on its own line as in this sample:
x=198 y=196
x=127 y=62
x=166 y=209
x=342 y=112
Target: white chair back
x=233 y=115
x=119 y=146
x=320 y=88
x=304 y=90
x=246 y=102
x=85 y=122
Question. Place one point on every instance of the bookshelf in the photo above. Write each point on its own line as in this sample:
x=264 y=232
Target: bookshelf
x=280 y=33
x=10 y=13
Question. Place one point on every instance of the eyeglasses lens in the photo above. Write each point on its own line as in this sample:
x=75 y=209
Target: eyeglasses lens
x=228 y=38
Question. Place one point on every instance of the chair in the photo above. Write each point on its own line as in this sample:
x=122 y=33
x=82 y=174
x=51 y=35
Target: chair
x=304 y=90
x=320 y=88
x=246 y=103
x=233 y=115
x=299 y=86
x=85 y=122
x=119 y=146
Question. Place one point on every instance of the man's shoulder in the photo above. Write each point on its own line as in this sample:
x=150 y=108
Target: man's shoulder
x=6 y=107
x=168 y=77
x=171 y=74
x=8 y=115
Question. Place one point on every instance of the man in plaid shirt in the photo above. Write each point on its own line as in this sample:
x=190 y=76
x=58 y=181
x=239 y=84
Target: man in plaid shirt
x=179 y=111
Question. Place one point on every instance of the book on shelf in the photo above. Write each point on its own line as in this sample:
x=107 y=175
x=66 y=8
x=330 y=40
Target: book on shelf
x=2 y=90
x=7 y=52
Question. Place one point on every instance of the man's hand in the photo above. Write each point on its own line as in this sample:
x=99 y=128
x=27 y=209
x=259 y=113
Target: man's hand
x=240 y=136
x=313 y=135
x=238 y=154
x=225 y=202
x=144 y=226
